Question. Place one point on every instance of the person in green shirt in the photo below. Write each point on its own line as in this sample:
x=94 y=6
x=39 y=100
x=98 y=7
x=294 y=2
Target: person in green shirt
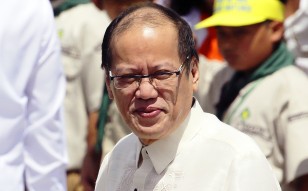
x=261 y=91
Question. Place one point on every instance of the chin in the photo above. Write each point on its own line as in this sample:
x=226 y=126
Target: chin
x=151 y=132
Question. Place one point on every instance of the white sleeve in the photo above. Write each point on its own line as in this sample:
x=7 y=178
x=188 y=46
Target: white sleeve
x=44 y=145
x=102 y=174
x=93 y=79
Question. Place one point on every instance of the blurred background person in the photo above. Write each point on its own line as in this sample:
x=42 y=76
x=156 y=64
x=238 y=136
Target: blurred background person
x=32 y=87
x=296 y=31
x=261 y=91
x=80 y=28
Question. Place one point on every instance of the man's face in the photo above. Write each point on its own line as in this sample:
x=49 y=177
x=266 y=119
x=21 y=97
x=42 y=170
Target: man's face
x=151 y=112
x=245 y=47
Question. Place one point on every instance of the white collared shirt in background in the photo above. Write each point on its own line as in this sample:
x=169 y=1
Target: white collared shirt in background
x=274 y=112
x=32 y=88
x=81 y=30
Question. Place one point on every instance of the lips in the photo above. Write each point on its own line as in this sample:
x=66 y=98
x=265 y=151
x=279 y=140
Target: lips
x=150 y=112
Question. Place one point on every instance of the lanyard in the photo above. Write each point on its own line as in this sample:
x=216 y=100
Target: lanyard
x=235 y=108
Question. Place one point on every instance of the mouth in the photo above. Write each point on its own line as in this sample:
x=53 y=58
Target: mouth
x=149 y=112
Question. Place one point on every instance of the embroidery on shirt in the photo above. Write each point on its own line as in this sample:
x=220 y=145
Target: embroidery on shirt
x=127 y=179
x=252 y=129
x=170 y=181
x=245 y=114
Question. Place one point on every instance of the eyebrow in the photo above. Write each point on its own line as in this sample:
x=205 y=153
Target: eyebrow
x=121 y=70
x=128 y=69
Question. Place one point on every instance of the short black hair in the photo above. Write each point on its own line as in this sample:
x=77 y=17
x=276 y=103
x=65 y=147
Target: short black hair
x=186 y=44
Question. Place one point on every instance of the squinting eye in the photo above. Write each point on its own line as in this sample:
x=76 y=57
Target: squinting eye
x=124 y=80
x=162 y=75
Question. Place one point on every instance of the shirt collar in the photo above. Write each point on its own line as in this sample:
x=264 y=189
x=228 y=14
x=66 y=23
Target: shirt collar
x=162 y=152
x=139 y=146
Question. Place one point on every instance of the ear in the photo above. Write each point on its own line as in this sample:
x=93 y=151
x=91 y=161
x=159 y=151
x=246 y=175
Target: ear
x=195 y=74
x=108 y=82
x=277 y=31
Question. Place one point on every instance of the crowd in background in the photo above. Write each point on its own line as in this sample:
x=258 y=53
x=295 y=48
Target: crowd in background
x=92 y=123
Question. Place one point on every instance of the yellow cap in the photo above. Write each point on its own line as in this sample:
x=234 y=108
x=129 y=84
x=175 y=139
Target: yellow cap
x=243 y=12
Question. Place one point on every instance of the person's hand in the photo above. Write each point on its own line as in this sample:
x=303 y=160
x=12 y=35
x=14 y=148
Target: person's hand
x=89 y=169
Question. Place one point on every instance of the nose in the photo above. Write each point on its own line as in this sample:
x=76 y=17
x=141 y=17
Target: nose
x=146 y=89
x=226 y=44
x=226 y=40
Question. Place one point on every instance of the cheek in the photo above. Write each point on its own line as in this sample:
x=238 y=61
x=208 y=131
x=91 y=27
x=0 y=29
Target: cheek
x=185 y=93
x=168 y=96
x=259 y=50
x=244 y=46
x=123 y=100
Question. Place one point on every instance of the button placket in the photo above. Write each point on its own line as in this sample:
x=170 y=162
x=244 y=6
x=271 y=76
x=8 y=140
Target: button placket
x=142 y=172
